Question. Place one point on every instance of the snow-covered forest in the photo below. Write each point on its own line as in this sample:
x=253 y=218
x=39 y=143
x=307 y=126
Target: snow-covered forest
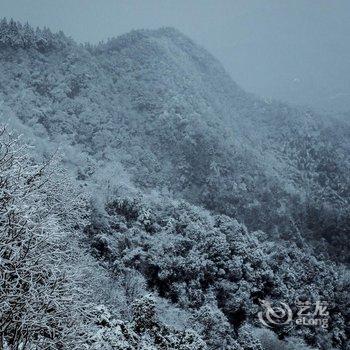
x=148 y=202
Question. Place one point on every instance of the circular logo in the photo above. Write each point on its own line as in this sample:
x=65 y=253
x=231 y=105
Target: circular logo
x=275 y=315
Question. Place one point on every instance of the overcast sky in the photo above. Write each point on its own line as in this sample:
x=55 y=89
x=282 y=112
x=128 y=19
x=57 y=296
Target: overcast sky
x=294 y=50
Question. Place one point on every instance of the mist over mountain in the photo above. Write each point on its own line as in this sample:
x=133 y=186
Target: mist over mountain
x=210 y=196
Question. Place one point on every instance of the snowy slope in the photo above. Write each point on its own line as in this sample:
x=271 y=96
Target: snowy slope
x=160 y=111
x=200 y=194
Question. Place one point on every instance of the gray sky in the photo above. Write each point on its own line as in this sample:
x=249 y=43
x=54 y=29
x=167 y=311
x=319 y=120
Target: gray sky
x=294 y=50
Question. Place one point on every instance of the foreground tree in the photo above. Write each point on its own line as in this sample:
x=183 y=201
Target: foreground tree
x=38 y=296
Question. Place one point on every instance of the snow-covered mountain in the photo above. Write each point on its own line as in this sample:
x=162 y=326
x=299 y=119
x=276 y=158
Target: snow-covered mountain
x=151 y=114
x=168 y=114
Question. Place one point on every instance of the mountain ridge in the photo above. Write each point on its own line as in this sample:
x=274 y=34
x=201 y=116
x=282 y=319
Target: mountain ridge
x=203 y=138
x=201 y=199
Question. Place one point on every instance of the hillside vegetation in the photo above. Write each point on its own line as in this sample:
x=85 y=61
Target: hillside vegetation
x=204 y=199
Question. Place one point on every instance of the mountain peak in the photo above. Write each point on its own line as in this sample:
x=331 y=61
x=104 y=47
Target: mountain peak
x=149 y=37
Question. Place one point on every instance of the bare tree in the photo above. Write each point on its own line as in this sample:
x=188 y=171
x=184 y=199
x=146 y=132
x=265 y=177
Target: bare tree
x=38 y=295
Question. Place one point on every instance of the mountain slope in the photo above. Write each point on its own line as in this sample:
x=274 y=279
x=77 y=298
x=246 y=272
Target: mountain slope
x=185 y=171
x=167 y=113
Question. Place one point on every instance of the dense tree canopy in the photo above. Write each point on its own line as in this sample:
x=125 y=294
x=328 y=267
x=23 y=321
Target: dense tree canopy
x=204 y=200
